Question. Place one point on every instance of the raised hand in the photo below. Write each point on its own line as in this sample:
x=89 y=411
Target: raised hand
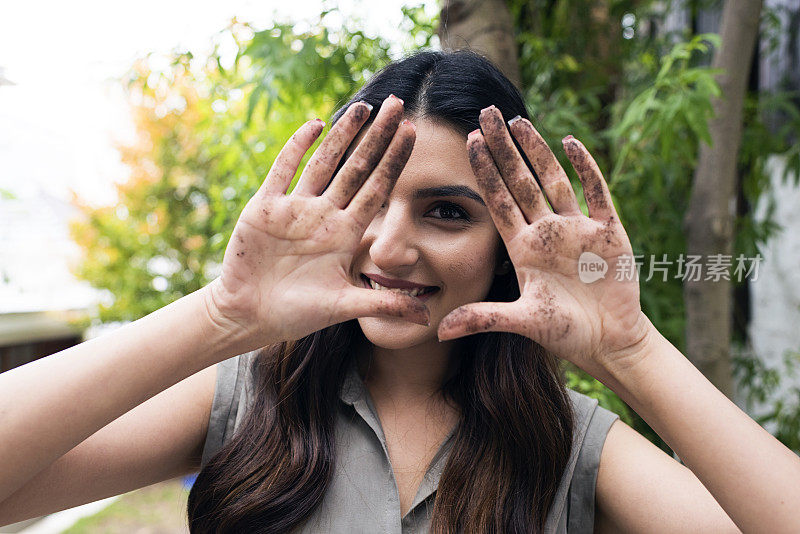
x=285 y=273
x=585 y=322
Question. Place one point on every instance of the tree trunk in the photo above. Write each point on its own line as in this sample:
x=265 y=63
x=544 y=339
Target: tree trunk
x=483 y=26
x=709 y=221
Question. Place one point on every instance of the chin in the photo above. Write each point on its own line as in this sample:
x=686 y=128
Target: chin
x=395 y=333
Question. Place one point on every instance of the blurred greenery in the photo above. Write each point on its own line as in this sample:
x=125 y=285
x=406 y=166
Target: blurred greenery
x=207 y=135
x=639 y=98
x=761 y=384
x=209 y=128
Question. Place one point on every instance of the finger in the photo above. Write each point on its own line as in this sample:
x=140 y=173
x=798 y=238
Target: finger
x=503 y=208
x=512 y=167
x=367 y=154
x=376 y=189
x=551 y=174
x=358 y=302
x=323 y=163
x=595 y=189
x=480 y=317
x=285 y=167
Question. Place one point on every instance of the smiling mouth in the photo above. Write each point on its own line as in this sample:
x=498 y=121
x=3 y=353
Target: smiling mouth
x=416 y=292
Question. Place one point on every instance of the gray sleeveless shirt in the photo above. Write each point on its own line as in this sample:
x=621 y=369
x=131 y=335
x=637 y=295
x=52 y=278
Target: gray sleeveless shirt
x=363 y=495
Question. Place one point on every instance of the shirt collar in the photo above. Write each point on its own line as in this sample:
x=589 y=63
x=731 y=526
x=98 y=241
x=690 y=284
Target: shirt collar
x=353 y=387
x=354 y=393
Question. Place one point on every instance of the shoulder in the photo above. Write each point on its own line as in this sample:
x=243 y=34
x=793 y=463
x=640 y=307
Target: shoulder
x=233 y=394
x=641 y=488
x=592 y=423
x=573 y=508
x=235 y=381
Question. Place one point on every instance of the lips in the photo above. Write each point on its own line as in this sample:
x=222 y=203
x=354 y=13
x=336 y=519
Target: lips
x=425 y=293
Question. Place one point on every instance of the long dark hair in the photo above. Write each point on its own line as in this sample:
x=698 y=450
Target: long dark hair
x=514 y=435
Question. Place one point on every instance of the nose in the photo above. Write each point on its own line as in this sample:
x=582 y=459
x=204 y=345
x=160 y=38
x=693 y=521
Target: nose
x=391 y=239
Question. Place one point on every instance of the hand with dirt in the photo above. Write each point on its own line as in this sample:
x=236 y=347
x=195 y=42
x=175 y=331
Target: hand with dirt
x=285 y=273
x=586 y=322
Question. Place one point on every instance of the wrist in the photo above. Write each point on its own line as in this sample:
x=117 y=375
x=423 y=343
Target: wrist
x=228 y=336
x=621 y=364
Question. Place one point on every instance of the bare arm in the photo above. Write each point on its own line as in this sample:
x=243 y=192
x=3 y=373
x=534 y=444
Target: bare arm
x=51 y=405
x=640 y=488
x=752 y=475
x=158 y=440
x=596 y=322
x=284 y=249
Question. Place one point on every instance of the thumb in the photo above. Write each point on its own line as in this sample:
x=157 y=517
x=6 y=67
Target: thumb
x=362 y=302
x=481 y=317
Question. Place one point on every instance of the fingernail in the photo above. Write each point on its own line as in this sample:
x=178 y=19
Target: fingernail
x=567 y=138
x=487 y=108
x=397 y=97
x=369 y=106
x=413 y=126
x=475 y=131
x=322 y=122
x=515 y=119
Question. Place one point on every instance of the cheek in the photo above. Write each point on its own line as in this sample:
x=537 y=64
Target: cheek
x=471 y=270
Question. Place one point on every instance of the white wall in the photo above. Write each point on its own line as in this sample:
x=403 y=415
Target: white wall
x=775 y=294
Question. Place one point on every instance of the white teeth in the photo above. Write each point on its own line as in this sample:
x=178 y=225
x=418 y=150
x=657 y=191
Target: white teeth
x=413 y=292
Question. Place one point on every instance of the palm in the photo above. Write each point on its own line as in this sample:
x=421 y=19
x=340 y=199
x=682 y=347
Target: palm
x=285 y=273
x=285 y=249
x=548 y=253
x=577 y=316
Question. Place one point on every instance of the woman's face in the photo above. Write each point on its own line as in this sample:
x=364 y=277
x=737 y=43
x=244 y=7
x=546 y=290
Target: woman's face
x=433 y=230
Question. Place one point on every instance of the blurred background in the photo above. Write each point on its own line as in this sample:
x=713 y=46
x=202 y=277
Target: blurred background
x=132 y=135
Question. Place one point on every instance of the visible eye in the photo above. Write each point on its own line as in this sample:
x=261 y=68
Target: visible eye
x=450 y=211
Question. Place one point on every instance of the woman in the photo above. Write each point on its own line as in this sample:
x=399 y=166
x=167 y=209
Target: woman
x=435 y=232
x=475 y=433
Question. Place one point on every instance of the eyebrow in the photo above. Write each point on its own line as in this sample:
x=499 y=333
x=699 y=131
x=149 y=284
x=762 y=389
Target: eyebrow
x=449 y=191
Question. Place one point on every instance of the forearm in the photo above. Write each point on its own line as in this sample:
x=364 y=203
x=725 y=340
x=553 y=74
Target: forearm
x=750 y=473
x=49 y=406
